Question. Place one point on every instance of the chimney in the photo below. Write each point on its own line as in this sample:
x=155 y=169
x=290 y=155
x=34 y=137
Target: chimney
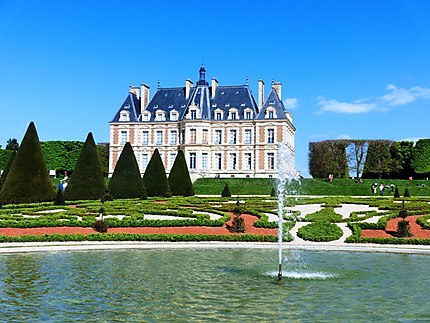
x=214 y=86
x=188 y=86
x=144 y=100
x=277 y=87
x=134 y=90
x=260 y=93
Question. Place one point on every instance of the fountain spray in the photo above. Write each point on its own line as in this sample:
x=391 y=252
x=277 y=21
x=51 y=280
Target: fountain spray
x=286 y=174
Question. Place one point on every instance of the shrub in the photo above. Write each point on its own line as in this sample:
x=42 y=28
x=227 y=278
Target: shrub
x=326 y=214
x=28 y=178
x=273 y=192
x=106 y=196
x=407 y=194
x=86 y=182
x=403 y=213
x=226 y=191
x=320 y=231
x=59 y=200
x=154 y=179
x=396 y=193
x=100 y=226
x=7 y=168
x=237 y=226
x=403 y=229
x=179 y=177
x=126 y=181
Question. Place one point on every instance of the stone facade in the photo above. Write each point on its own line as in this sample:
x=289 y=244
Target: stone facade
x=221 y=129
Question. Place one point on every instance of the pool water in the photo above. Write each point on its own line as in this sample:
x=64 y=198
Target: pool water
x=206 y=285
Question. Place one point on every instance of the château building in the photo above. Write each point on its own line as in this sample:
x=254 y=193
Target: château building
x=223 y=130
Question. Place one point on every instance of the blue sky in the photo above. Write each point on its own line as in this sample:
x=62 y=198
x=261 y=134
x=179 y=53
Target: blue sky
x=349 y=69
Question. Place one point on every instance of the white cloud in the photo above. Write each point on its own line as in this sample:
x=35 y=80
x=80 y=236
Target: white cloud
x=400 y=96
x=357 y=106
x=343 y=137
x=290 y=103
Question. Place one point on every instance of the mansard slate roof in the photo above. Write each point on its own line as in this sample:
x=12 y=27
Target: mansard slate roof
x=226 y=97
x=132 y=105
x=273 y=101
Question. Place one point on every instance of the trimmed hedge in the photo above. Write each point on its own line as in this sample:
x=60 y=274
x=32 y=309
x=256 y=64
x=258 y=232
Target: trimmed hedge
x=320 y=231
x=155 y=179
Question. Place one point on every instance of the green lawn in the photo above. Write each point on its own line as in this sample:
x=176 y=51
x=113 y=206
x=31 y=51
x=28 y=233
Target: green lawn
x=308 y=186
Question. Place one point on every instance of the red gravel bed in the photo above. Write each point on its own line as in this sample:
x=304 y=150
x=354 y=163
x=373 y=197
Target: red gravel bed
x=249 y=223
x=416 y=230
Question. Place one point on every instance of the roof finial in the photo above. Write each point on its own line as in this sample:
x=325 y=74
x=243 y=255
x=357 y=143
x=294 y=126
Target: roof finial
x=158 y=83
x=247 y=79
x=273 y=81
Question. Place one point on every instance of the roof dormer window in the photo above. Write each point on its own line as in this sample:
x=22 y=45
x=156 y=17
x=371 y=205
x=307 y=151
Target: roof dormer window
x=146 y=116
x=124 y=116
x=160 y=116
x=271 y=102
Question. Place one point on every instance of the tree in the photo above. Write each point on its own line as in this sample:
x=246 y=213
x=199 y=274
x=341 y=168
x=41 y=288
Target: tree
x=328 y=157
x=421 y=156
x=356 y=155
x=155 y=179
x=126 y=181
x=179 y=177
x=12 y=144
x=28 y=178
x=402 y=158
x=103 y=152
x=378 y=159
x=86 y=182
x=7 y=169
x=226 y=191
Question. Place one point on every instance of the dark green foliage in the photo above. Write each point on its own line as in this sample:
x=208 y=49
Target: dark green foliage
x=179 y=177
x=326 y=214
x=407 y=193
x=61 y=155
x=168 y=191
x=100 y=226
x=103 y=152
x=421 y=156
x=59 y=200
x=226 y=191
x=328 y=157
x=12 y=144
x=273 y=192
x=237 y=226
x=126 y=181
x=107 y=196
x=378 y=159
x=403 y=213
x=86 y=182
x=396 y=192
x=7 y=168
x=403 y=229
x=28 y=179
x=155 y=179
x=4 y=157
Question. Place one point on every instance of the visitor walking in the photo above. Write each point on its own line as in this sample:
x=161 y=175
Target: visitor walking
x=381 y=189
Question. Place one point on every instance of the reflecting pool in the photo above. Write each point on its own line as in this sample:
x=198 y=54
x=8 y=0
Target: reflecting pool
x=180 y=285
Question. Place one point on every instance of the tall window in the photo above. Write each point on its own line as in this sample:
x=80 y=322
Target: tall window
x=193 y=135
x=218 y=136
x=218 y=161
x=193 y=114
x=146 y=117
x=233 y=136
x=205 y=136
x=145 y=138
x=218 y=116
x=173 y=137
x=247 y=163
x=271 y=161
x=192 y=160
x=172 y=157
x=248 y=136
x=144 y=161
x=270 y=136
x=204 y=161
x=233 y=115
x=248 y=115
x=270 y=114
x=123 y=137
x=183 y=136
x=159 y=137
x=232 y=161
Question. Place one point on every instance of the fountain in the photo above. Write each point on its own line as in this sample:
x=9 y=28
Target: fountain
x=286 y=174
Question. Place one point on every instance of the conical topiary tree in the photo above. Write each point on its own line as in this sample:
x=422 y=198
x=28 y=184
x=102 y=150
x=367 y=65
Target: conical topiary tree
x=7 y=169
x=155 y=179
x=407 y=193
x=226 y=191
x=396 y=192
x=28 y=178
x=126 y=181
x=179 y=177
x=86 y=182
